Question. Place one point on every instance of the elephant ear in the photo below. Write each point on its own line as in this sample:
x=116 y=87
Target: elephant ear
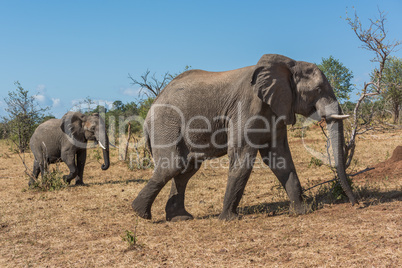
x=71 y=124
x=272 y=81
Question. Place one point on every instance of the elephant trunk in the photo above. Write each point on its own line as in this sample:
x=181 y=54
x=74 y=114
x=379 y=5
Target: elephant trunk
x=332 y=112
x=335 y=129
x=106 y=159
x=103 y=140
x=106 y=156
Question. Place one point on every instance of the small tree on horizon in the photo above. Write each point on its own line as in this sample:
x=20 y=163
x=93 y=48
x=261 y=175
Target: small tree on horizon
x=392 y=86
x=338 y=76
x=24 y=115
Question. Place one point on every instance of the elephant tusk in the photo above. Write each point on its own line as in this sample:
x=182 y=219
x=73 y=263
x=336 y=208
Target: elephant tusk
x=101 y=145
x=340 y=117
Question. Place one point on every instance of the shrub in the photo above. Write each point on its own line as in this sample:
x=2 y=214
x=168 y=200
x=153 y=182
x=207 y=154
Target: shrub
x=132 y=239
x=50 y=181
x=315 y=162
x=337 y=191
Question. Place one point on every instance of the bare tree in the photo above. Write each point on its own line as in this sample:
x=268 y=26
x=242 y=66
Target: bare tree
x=151 y=86
x=374 y=39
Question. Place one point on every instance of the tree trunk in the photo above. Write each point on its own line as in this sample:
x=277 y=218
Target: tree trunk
x=396 y=113
x=123 y=156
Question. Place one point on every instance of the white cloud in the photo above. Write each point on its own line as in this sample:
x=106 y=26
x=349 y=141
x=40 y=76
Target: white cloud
x=41 y=88
x=2 y=107
x=107 y=104
x=56 y=102
x=79 y=104
x=130 y=92
x=41 y=98
x=76 y=101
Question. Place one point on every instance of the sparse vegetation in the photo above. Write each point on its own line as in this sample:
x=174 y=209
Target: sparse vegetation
x=50 y=181
x=140 y=158
x=131 y=239
x=337 y=191
x=24 y=115
x=315 y=162
x=97 y=154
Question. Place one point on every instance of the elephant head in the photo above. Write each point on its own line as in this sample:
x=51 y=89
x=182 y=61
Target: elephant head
x=290 y=87
x=80 y=128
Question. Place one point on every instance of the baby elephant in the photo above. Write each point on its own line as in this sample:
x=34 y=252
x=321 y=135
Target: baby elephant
x=66 y=140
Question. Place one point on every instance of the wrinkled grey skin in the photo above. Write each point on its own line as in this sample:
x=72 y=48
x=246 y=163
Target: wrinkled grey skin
x=66 y=140
x=277 y=87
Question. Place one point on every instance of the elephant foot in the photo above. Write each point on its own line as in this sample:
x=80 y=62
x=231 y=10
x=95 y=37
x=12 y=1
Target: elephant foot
x=299 y=209
x=175 y=210
x=79 y=183
x=141 y=210
x=180 y=218
x=66 y=179
x=182 y=215
x=31 y=182
x=228 y=216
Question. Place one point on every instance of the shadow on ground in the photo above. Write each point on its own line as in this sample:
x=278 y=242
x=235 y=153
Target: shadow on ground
x=139 y=180
x=366 y=197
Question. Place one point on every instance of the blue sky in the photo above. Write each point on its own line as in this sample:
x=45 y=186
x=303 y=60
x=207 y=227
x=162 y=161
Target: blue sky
x=65 y=51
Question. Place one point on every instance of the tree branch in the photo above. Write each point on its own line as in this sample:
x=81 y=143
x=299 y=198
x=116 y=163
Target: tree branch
x=373 y=39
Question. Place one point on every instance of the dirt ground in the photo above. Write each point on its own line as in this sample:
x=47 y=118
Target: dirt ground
x=84 y=226
x=392 y=167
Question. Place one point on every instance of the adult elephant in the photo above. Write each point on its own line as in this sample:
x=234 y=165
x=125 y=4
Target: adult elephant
x=202 y=115
x=66 y=140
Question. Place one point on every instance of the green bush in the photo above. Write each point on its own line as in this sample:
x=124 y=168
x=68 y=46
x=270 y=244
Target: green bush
x=337 y=191
x=132 y=240
x=51 y=181
x=315 y=162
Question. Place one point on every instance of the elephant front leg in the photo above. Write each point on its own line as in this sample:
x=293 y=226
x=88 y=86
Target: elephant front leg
x=280 y=161
x=73 y=173
x=291 y=183
x=69 y=160
x=239 y=172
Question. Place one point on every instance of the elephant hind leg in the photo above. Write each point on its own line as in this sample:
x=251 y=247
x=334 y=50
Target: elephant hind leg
x=35 y=173
x=175 y=210
x=143 y=202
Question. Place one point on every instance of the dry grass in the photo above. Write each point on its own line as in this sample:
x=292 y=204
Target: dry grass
x=83 y=226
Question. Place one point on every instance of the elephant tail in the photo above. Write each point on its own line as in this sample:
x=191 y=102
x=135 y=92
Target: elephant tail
x=147 y=139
